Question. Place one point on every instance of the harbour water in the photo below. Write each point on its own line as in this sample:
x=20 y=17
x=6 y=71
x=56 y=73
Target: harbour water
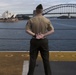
x=14 y=38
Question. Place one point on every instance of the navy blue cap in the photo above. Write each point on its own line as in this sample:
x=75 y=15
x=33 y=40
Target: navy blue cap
x=39 y=6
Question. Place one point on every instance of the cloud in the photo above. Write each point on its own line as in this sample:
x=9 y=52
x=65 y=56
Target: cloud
x=27 y=6
x=2 y=4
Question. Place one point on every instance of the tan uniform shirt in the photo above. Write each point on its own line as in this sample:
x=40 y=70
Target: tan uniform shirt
x=39 y=24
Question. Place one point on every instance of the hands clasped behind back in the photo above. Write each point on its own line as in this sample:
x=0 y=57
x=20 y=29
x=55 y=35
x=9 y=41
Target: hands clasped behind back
x=39 y=36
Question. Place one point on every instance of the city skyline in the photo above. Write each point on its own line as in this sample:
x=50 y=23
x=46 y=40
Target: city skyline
x=27 y=6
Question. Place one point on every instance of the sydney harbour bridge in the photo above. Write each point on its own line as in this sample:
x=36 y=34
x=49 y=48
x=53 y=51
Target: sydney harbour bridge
x=67 y=9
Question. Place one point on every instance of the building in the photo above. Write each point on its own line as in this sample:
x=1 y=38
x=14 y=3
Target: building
x=7 y=15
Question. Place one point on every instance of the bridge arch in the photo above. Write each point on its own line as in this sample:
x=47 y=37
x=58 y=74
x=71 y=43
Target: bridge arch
x=45 y=11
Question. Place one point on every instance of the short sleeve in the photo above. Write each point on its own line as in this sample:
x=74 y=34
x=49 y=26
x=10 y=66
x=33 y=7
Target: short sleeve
x=50 y=26
x=28 y=25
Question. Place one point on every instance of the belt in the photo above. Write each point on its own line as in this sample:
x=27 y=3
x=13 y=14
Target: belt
x=38 y=39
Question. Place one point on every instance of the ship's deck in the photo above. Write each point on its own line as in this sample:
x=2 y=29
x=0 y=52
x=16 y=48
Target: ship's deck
x=62 y=63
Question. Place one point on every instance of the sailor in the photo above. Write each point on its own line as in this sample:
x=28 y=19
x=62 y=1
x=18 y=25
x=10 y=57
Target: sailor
x=39 y=27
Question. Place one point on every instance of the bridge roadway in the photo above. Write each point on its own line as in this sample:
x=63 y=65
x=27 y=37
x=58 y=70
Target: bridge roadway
x=53 y=13
x=62 y=13
x=62 y=63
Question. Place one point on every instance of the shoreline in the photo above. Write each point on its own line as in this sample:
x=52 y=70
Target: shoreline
x=9 y=20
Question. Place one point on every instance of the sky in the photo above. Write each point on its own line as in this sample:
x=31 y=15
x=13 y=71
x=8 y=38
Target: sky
x=27 y=6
